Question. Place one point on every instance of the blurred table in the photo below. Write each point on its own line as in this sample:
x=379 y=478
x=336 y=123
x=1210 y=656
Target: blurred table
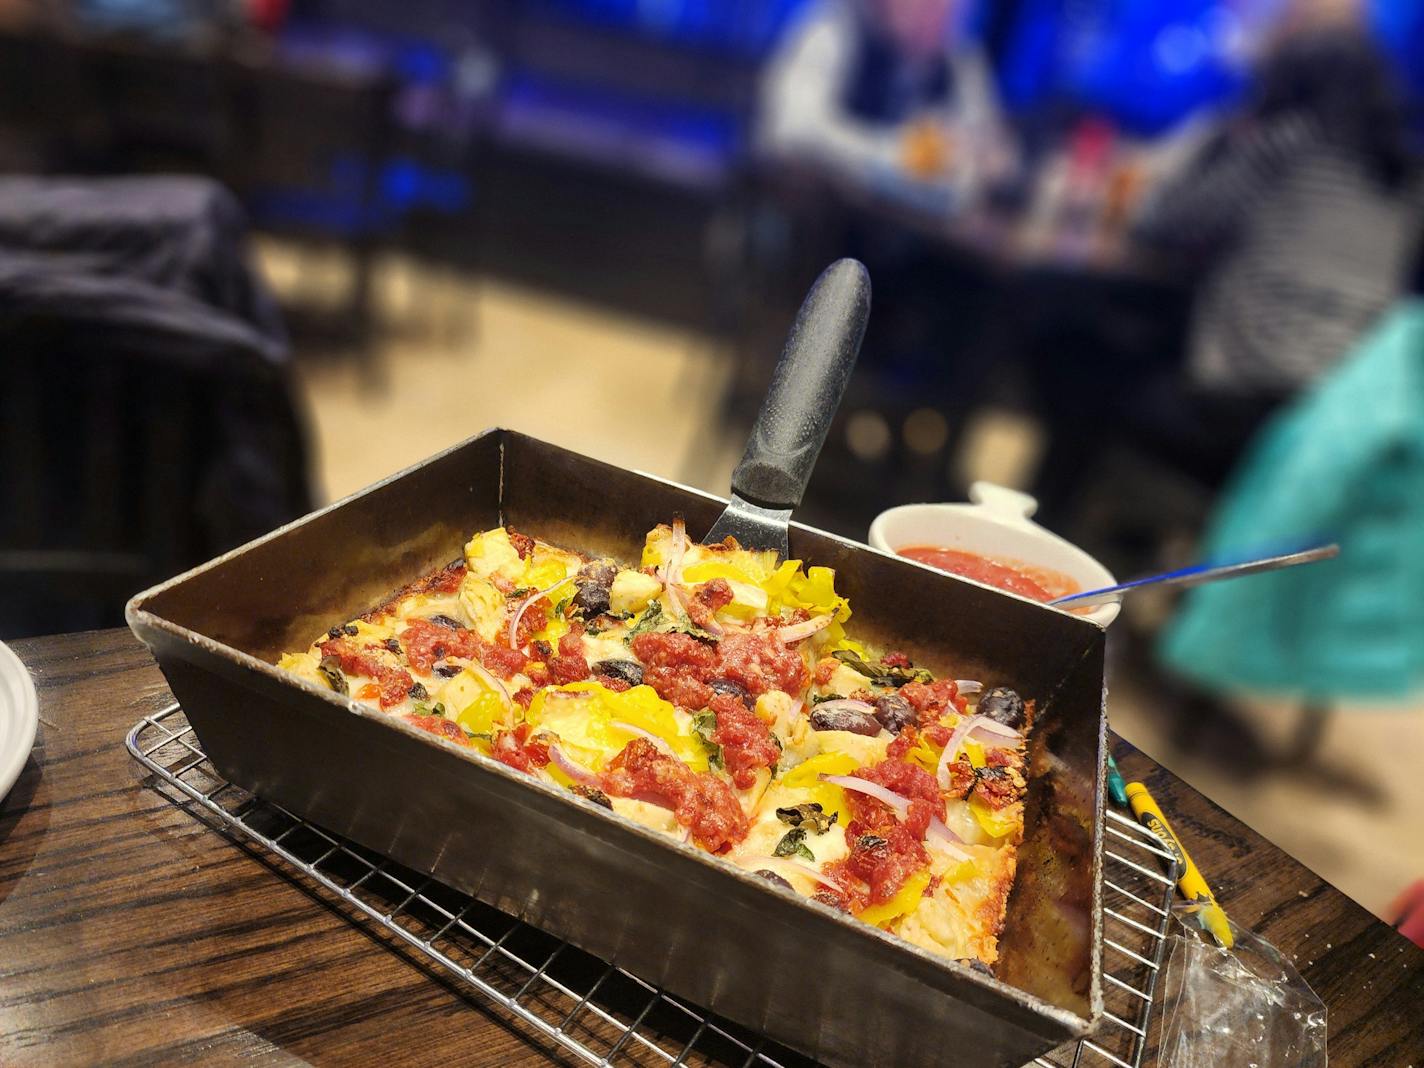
x=132 y=933
x=1002 y=238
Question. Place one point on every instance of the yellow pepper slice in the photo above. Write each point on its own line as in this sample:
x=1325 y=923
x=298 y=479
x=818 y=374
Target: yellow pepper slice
x=905 y=901
x=996 y=823
x=472 y=702
x=965 y=869
x=588 y=719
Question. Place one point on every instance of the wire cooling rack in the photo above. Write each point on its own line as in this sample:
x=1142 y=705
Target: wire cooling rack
x=596 y=1011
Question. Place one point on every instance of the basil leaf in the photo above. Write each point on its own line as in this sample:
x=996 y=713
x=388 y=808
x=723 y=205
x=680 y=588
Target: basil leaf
x=654 y=619
x=648 y=622
x=793 y=843
x=703 y=724
x=808 y=816
x=879 y=674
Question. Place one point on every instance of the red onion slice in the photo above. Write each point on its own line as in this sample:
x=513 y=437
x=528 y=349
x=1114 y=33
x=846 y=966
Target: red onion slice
x=952 y=747
x=649 y=735
x=993 y=740
x=798 y=868
x=993 y=726
x=798 y=631
x=524 y=605
x=946 y=840
x=572 y=768
x=846 y=704
x=672 y=578
x=673 y=575
x=900 y=804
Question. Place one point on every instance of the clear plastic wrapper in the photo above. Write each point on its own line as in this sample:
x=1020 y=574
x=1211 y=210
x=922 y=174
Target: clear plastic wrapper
x=1243 y=1007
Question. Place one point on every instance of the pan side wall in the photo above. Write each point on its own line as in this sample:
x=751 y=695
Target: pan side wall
x=279 y=593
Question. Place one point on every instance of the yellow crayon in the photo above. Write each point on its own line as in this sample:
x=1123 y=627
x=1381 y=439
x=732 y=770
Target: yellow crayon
x=1189 y=879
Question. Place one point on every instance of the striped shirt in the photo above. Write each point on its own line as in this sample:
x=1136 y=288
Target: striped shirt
x=1308 y=249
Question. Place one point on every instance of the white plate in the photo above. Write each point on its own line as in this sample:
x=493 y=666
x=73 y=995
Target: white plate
x=19 y=718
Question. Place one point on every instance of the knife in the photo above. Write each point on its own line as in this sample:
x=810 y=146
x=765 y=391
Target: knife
x=806 y=389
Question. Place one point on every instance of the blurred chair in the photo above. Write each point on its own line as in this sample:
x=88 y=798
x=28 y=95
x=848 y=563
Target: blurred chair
x=45 y=105
x=161 y=108
x=148 y=417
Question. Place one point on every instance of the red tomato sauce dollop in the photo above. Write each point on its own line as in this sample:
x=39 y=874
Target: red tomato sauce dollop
x=1038 y=584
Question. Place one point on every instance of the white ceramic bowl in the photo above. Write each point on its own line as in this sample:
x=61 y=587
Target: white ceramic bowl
x=996 y=525
x=19 y=717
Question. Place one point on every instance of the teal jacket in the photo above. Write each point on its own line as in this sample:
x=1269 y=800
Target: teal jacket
x=1344 y=462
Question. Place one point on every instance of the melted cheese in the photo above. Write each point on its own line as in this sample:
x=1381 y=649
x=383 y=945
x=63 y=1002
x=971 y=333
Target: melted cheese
x=952 y=906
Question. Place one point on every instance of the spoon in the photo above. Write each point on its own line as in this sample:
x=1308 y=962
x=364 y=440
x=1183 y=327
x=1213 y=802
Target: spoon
x=1200 y=574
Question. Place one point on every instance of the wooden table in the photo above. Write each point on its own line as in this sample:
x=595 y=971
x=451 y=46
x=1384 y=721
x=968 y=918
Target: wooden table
x=132 y=934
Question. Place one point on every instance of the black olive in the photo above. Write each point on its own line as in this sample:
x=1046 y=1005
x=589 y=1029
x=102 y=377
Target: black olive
x=991 y=772
x=541 y=650
x=629 y=671
x=771 y=877
x=845 y=719
x=446 y=621
x=894 y=712
x=732 y=689
x=592 y=793
x=392 y=645
x=591 y=601
x=598 y=573
x=869 y=842
x=418 y=692
x=448 y=671
x=351 y=630
x=1004 y=706
x=334 y=632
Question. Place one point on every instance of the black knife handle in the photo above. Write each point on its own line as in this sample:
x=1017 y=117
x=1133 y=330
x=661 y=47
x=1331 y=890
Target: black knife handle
x=806 y=388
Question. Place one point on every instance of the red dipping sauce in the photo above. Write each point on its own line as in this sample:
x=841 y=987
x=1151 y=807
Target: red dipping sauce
x=1036 y=583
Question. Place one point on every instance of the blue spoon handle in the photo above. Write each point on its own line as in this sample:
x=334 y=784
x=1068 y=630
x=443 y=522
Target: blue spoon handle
x=1199 y=574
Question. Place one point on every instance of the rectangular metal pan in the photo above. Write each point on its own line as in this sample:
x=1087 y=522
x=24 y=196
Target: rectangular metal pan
x=810 y=977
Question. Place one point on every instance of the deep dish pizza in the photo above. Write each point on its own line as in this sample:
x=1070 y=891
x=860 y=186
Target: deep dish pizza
x=713 y=693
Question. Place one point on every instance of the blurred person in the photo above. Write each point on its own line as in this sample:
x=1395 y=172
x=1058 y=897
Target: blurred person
x=1298 y=221
x=1303 y=213
x=872 y=88
x=895 y=97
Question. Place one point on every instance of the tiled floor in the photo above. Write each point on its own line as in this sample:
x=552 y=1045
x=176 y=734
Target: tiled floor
x=460 y=354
